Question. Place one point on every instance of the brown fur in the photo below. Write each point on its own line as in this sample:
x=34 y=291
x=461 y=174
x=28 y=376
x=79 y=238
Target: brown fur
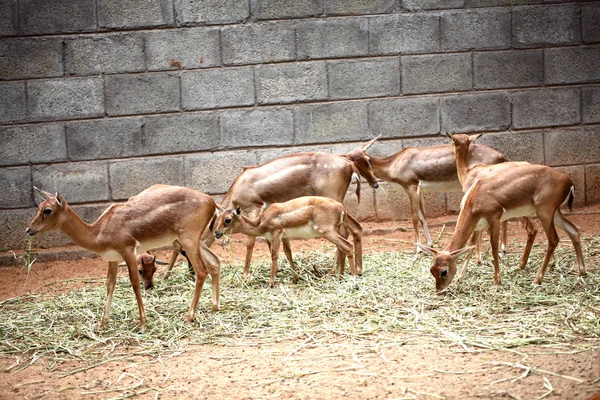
x=328 y=218
x=160 y=212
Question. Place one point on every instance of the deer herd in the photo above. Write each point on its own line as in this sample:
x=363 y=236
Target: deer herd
x=301 y=196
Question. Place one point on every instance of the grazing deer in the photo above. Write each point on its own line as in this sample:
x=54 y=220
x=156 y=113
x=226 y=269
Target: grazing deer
x=427 y=169
x=304 y=217
x=292 y=176
x=154 y=218
x=521 y=190
x=467 y=175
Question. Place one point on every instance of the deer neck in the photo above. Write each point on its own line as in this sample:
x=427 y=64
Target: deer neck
x=466 y=223
x=462 y=163
x=381 y=167
x=248 y=226
x=80 y=233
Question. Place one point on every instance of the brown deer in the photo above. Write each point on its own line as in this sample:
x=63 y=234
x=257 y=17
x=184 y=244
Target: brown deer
x=154 y=218
x=521 y=190
x=292 y=176
x=468 y=174
x=304 y=217
x=427 y=169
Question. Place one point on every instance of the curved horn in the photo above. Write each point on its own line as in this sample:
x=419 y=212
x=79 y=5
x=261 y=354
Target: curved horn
x=369 y=143
x=45 y=195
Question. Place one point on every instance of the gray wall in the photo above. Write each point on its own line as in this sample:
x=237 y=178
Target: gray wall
x=100 y=99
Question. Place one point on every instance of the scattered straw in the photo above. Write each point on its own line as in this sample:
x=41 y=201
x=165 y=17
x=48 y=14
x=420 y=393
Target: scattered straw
x=394 y=296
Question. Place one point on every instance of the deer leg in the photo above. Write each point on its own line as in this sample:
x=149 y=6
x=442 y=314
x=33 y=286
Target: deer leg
x=250 y=240
x=413 y=197
x=547 y=220
x=531 y=234
x=343 y=245
x=288 y=254
x=192 y=249
x=494 y=231
x=422 y=217
x=174 y=255
x=476 y=240
x=212 y=263
x=275 y=239
x=571 y=230
x=111 y=281
x=357 y=241
x=134 y=277
x=504 y=238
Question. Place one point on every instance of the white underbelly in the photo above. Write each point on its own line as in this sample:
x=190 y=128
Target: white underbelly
x=524 y=211
x=112 y=255
x=446 y=186
x=300 y=232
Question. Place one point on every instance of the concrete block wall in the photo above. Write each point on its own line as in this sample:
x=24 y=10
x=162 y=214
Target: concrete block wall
x=100 y=99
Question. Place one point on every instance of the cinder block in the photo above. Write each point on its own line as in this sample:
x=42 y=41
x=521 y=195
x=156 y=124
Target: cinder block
x=213 y=173
x=212 y=11
x=285 y=83
x=30 y=58
x=393 y=204
x=15 y=187
x=572 y=64
x=8 y=18
x=181 y=133
x=577 y=175
x=546 y=25
x=183 y=48
x=13 y=106
x=258 y=43
x=404 y=33
x=476 y=29
x=56 y=16
x=453 y=200
x=32 y=144
x=346 y=7
x=476 y=112
x=141 y=93
x=590 y=104
x=365 y=210
x=206 y=89
x=570 y=146
x=592 y=184
x=517 y=146
x=338 y=37
x=545 y=107
x=432 y=4
x=436 y=73
x=80 y=182
x=129 y=177
x=590 y=21
x=278 y=9
x=86 y=55
x=271 y=126
x=65 y=98
x=496 y=3
x=134 y=13
x=12 y=229
x=506 y=69
x=107 y=138
x=331 y=122
x=404 y=117
x=373 y=77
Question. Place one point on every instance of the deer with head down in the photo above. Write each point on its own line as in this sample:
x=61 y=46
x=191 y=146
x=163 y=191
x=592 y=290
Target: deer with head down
x=154 y=218
x=292 y=176
x=304 y=217
x=518 y=191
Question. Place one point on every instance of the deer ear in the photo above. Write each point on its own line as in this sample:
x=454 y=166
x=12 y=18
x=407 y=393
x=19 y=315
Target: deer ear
x=457 y=253
x=473 y=138
x=220 y=207
x=45 y=195
x=427 y=249
x=448 y=134
x=369 y=143
x=238 y=210
x=60 y=200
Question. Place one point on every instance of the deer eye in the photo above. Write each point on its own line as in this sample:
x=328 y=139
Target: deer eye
x=444 y=273
x=227 y=221
x=47 y=211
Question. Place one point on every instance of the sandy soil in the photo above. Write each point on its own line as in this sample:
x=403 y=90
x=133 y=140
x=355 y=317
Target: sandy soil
x=393 y=366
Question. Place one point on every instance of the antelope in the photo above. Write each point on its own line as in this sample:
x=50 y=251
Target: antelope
x=303 y=217
x=467 y=175
x=292 y=176
x=518 y=191
x=427 y=169
x=155 y=217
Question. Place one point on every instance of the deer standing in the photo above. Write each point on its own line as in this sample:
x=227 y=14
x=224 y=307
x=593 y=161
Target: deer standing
x=155 y=217
x=522 y=190
x=427 y=169
x=292 y=176
x=304 y=217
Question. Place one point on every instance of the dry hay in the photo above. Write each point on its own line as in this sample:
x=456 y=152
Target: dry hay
x=395 y=296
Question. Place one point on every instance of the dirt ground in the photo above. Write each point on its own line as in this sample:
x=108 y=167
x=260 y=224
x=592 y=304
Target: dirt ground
x=384 y=367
